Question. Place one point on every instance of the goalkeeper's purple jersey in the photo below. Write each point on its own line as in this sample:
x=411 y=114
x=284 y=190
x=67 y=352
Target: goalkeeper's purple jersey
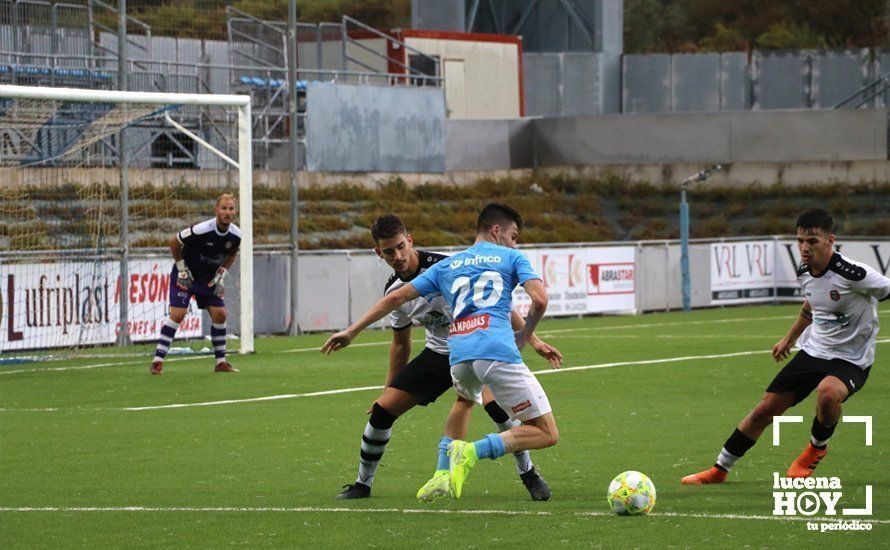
x=205 y=247
x=478 y=283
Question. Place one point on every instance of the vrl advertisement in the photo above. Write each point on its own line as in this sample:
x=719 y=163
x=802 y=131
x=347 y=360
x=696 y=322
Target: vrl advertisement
x=759 y=271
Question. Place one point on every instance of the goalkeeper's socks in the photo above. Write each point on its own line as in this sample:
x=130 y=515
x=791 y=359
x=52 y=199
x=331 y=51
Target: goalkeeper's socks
x=734 y=449
x=374 y=441
x=491 y=446
x=444 y=462
x=168 y=331
x=218 y=339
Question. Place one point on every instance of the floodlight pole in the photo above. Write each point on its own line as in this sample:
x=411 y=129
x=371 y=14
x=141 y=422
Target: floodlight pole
x=123 y=334
x=294 y=161
x=686 y=282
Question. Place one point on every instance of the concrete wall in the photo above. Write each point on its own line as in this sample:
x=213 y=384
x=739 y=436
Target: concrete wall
x=779 y=136
x=488 y=144
x=353 y=128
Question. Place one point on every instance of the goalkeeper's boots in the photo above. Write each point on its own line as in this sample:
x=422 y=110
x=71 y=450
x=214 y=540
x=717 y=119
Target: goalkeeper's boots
x=356 y=490
x=437 y=487
x=711 y=475
x=157 y=367
x=806 y=463
x=463 y=457
x=537 y=487
x=225 y=366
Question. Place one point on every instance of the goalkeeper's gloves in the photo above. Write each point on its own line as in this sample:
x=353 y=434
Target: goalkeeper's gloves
x=184 y=279
x=218 y=282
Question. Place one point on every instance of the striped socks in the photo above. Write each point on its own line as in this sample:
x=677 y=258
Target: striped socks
x=218 y=339
x=168 y=331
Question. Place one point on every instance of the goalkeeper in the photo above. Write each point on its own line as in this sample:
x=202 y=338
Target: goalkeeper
x=203 y=254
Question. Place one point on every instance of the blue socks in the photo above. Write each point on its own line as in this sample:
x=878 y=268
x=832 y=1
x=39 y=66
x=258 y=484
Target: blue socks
x=444 y=463
x=491 y=446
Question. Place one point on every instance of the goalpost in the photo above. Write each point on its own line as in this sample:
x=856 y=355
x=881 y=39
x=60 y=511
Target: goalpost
x=60 y=210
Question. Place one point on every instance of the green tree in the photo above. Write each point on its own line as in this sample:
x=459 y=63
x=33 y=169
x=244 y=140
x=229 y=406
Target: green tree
x=790 y=36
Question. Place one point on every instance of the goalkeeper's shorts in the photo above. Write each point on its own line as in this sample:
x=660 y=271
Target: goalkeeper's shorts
x=203 y=294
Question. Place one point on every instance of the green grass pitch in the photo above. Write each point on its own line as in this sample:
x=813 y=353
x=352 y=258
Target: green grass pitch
x=97 y=473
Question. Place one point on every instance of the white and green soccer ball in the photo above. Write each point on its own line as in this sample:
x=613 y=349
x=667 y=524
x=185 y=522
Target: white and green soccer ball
x=631 y=493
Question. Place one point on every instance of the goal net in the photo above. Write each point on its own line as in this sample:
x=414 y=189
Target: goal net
x=79 y=251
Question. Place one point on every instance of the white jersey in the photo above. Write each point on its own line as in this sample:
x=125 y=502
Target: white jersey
x=844 y=299
x=434 y=314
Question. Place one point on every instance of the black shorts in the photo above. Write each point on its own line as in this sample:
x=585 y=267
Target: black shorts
x=427 y=375
x=804 y=372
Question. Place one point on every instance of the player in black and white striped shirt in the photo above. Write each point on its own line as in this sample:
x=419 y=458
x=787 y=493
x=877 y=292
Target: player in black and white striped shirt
x=422 y=380
x=836 y=332
x=203 y=254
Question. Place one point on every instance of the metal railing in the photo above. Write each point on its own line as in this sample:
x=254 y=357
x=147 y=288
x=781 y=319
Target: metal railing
x=868 y=94
x=411 y=75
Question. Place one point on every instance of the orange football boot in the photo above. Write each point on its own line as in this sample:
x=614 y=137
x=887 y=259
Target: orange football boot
x=711 y=475
x=806 y=463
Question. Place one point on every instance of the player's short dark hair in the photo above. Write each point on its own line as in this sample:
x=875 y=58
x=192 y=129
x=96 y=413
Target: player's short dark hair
x=387 y=226
x=816 y=218
x=495 y=213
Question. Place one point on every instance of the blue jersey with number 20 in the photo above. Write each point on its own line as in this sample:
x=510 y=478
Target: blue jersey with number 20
x=479 y=283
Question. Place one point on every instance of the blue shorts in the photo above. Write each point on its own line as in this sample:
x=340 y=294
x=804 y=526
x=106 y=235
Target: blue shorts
x=203 y=294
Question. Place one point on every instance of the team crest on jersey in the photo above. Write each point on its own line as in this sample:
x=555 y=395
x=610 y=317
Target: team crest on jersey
x=469 y=324
x=228 y=244
x=835 y=295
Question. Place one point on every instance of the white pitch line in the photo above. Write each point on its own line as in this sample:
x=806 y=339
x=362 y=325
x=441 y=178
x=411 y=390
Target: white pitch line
x=102 y=365
x=249 y=400
x=323 y=510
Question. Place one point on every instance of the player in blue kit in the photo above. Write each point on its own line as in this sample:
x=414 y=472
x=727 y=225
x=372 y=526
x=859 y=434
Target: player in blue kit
x=203 y=254
x=484 y=350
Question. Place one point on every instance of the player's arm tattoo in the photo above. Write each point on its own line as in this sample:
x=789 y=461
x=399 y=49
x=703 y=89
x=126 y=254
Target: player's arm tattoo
x=806 y=312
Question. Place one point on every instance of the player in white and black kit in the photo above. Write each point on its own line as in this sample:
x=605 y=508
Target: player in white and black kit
x=203 y=254
x=422 y=380
x=836 y=332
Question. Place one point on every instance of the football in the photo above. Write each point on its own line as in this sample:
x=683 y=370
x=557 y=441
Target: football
x=631 y=493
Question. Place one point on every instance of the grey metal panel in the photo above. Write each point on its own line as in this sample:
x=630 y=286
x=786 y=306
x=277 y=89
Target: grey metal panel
x=609 y=83
x=352 y=128
x=837 y=75
x=188 y=50
x=271 y=294
x=542 y=78
x=733 y=81
x=580 y=84
x=647 y=83
x=653 y=281
x=163 y=48
x=781 y=80
x=218 y=79
x=696 y=82
x=699 y=275
x=367 y=276
x=323 y=292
